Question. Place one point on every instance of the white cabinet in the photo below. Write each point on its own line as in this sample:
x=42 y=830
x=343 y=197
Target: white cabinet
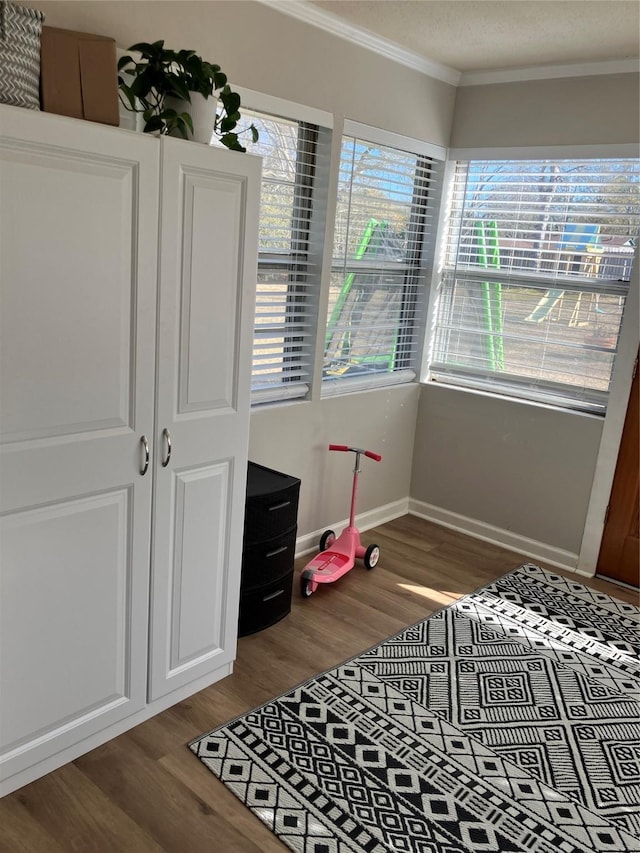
x=127 y=272
x=208 y=246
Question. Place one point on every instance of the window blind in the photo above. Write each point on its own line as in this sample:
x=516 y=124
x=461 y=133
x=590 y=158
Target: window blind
x=376 y=303
x=537 y=262
x=288 y=267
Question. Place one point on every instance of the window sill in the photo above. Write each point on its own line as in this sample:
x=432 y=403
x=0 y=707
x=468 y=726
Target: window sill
x=337 y=387
x=508 y=398
x=279 y=394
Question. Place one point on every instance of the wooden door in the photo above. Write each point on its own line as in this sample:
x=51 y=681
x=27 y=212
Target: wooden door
x=208 y=251
x=620 y=548
x=78 y=237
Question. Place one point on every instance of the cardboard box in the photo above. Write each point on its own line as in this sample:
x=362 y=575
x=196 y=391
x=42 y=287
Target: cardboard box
x=78 y=75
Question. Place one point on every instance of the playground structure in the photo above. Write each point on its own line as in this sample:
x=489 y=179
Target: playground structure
x=579 y=247
x=577 y=250
x=363 y=329
x=489 y=256
x=583 y=309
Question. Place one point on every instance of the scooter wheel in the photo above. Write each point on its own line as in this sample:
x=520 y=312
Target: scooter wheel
x=326 y=540
x=371 y=556
x=306 y=587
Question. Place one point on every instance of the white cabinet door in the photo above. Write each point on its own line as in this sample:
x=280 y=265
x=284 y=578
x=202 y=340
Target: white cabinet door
x=208 y=244
x=78 y=238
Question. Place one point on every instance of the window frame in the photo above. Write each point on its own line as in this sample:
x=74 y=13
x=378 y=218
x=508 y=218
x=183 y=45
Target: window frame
x=321 y=122
x=520 y=393
x=421 y=271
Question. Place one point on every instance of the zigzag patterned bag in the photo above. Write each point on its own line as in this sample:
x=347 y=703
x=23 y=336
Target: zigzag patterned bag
x=20 y=31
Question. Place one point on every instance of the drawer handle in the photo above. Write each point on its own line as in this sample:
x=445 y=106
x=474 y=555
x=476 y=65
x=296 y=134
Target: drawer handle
x=279 y=506
x=273 y=595
x=277 y=551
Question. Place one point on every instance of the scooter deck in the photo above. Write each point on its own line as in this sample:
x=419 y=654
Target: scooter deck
x=328 y=566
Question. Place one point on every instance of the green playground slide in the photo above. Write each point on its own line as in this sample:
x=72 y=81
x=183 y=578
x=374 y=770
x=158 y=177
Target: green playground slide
x=338 y=308
x=341 y=360
x=489 y=256
x=377 y=239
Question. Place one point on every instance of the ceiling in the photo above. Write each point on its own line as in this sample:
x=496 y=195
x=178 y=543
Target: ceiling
x=490 y=35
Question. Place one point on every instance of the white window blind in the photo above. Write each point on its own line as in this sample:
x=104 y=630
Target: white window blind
x=376 y=304
x=288 y=267
x=536 y=272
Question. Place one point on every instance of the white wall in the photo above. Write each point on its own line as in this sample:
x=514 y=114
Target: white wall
x=523 y=469
x=494 y=461
x=295 y=437
x=586 y=110
x=266 y=51
x=262 y=49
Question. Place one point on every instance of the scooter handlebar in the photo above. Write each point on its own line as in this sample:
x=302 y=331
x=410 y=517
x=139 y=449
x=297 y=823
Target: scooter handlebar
x=376 y=456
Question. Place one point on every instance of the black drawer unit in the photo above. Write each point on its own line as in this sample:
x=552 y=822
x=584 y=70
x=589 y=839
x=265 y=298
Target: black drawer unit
x=262 y=607
x=268 y=560
x=270 y=526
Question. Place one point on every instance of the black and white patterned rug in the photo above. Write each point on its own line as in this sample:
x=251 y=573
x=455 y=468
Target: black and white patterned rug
x=508 y=722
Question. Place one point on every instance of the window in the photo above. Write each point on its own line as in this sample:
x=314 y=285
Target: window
x=288 y=255
x=376 y=307
x=536 y=271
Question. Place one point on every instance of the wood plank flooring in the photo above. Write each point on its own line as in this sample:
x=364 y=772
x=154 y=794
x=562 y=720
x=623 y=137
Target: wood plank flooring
x=144 y=792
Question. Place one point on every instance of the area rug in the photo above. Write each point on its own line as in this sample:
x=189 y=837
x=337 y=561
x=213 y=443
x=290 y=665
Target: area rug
x=510 y=721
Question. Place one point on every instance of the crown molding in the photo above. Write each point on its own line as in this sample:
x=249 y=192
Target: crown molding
x=550 y=72
x=310 y=14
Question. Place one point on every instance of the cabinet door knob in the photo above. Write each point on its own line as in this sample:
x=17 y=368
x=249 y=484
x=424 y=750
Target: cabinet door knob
x=145 y=446
x=167 y=437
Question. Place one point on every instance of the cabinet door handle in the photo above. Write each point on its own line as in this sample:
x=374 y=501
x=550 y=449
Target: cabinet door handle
x=277 y=551
x=279 y=506
x=145 y=446
x=167 y=437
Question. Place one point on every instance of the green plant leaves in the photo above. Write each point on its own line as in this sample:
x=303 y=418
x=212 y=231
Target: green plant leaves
x=179 y=88
x=153 y=123
x=161 y=72
x=148 y=51
x=231 y=141
x=231 y=100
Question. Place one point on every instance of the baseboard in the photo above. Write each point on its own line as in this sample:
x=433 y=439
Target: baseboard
x=534 y=550
x=531 y=548
x=29 y=774
x=364 y=521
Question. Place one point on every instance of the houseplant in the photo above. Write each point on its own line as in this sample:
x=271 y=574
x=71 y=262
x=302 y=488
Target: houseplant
x=170 y=87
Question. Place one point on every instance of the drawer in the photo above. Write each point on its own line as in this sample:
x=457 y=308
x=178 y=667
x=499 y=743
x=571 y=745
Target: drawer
x=265 y=606
x=267 y=561
x=271 y=515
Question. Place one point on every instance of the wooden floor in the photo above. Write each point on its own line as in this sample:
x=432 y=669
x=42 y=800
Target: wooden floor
x=145 y=791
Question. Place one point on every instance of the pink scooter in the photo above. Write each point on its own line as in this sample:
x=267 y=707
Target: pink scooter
x=338 y=556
